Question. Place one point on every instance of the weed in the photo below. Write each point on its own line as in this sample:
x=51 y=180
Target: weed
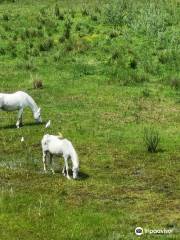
x=151 y=139
x=146 y=92
x=46 y=45
x=5 y=17
x=84 y=11
x=67 y=28
x=175 y=83
x=37 y=84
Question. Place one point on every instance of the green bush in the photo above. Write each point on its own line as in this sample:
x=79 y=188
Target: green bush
x=5 y=17
x=67 y=28
x=175 y=83
x=84 y=11
x=115 y=12
x=151 y=139
x=46 y=45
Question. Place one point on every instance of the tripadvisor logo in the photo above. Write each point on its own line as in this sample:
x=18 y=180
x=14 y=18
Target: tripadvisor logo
x=138 y=231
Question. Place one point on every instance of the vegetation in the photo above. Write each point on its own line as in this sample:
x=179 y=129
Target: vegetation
x=151 y=139
x=102 y=71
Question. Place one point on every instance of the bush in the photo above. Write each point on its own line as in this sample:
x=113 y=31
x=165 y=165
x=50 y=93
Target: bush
x=58 y=56
x=5 y=17
x=146 y=92
x=37 y=84
x=84 y=11
x=113 y=34
x=2 y=51
x=84 y=29
x=175 y=83
x=46 y=45
x=94 y=18
x=62 y=39
x=151 y=139
x=58 y=13
x=67 y=28
x=115 y=12
x=29 y=65
x=133 y=63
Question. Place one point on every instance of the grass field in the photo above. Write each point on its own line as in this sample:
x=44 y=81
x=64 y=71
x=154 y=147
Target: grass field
x=109 y=71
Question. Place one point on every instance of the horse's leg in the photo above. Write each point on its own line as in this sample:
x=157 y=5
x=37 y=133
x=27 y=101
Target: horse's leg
x=51 y=163
x=67 y=167
x=44 y=161
x=19 y=121
x=63 y=171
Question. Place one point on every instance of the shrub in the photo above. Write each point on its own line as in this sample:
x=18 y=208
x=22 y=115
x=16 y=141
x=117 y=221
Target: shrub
x=5 y=17
x=94 y=18
x=115 y=12
x=80 y=45
x=151 y=139
x=175 y=83
x=84 y=29
x=72 y=13
x=46 y=45
x=133 y=63
x=62 y=39
x=35 y=52
x=58 y=55
x=2 y=51
x=113 y=34
x=7 y=27
x=58 y=13
x=84 y=11
x=37 y=83
x=56 y=10
x=97 y=10
x=115 y=55
x=31 y=32
x=67 y=28
x=29 y=65
x=146 y=92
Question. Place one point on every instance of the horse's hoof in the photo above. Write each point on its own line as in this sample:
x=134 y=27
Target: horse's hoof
x=68 y=177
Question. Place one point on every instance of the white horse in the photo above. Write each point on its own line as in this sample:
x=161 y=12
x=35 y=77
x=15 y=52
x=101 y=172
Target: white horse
x=18 y=101
x=55 y=145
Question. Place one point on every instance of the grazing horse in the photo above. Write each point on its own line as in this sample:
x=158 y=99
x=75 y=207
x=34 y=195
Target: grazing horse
x=55 y=145
x=18 y=101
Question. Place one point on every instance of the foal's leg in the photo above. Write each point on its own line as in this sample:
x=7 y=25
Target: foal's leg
x=19 y=120
x=63 y=171
x=67 y=167
x=51 y=163
x=44 y=161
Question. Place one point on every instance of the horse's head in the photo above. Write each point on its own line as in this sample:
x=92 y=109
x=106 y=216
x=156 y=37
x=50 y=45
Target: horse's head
x=75 y=172
x=37 y=116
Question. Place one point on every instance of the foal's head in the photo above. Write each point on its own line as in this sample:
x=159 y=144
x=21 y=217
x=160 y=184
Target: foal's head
x=37 y=116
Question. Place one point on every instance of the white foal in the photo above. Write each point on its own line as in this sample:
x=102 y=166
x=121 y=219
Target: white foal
x=54 y=145
x=18 y=101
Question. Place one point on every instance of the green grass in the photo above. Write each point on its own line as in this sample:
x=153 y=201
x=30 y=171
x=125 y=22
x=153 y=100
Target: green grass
x=114 y=73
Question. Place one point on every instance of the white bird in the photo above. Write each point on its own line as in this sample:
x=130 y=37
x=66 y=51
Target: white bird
x=48 y=124
x=22 y=139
